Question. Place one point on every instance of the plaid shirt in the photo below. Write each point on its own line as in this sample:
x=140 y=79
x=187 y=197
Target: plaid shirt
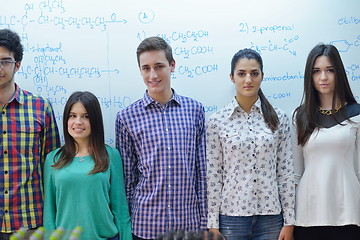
x=29 y=132
x=163 y=150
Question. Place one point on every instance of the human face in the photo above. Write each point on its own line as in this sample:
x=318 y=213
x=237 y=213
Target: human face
x=156 y=72
x=79 y=123
x=7 y=73
x=247 y=78
x=323 y=76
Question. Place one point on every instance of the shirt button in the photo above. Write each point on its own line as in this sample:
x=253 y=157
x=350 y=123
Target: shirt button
x=6 y=192
x=169 y=185
x=254 y=180
x=5 y=152
x=4 y=132
x=253 y=155
x=3 y=112
x=6 y=172
x=6 y=211
x=168 y=148
x=250 y=129
x=169 y=206
x=169 y=166
x=166 y=130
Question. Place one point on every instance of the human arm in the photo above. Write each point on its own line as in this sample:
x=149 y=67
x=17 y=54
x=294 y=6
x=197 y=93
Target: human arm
x=125 y=145
x=357 y=150
x=118 y=200
x=214 y=155
x=297 y=154
x=286 y=233
x=50 y=138
x=49 y=214
x=285 y=171
x=201 y=168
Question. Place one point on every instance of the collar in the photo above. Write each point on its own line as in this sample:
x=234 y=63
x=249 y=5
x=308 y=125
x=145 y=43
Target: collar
x=18 y=95
x=147 y=100
x=234 y=105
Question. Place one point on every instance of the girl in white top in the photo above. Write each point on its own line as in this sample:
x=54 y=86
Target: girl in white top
x=327 y=151
x=251 y=190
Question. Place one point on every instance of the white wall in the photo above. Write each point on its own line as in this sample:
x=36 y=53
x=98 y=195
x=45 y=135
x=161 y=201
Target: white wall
x=90 y=45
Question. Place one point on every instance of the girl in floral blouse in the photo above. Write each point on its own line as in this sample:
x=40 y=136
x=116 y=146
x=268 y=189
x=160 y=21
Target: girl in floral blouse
x=251 y=190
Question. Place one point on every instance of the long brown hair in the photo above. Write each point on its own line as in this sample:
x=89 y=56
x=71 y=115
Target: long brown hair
x=305 y=115
x=97 y=141
x=270 y=116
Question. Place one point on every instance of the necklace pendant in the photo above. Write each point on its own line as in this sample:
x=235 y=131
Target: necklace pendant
x=81 y=159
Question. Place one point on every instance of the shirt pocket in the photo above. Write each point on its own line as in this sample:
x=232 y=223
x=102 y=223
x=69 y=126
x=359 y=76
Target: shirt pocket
x=28 y=138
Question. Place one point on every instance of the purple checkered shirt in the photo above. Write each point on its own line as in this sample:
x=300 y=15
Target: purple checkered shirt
x=163 y=150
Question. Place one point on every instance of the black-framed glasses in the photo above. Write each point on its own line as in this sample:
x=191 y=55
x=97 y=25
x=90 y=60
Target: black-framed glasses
x=6 y=63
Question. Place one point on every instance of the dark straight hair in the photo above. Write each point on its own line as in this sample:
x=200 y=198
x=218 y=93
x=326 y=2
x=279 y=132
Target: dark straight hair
x=270 y=116
x=97 y=141
x=305 y=115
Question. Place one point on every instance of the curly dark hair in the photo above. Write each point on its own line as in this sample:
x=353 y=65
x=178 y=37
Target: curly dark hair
x=11 y=41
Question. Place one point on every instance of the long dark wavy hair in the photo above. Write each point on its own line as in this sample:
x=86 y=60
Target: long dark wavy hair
x=270 y=116
x=305 y=115
x=97 y=141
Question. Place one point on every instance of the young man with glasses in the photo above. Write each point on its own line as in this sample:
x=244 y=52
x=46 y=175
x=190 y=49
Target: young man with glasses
x=29 y=132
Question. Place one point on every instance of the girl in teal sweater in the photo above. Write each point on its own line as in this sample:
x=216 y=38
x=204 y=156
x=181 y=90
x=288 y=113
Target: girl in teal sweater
x=83 y=180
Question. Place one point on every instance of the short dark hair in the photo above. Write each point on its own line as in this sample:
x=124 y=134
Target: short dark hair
x=97 y=141
x=11 y=41
x=153 y=44
x=270 y=116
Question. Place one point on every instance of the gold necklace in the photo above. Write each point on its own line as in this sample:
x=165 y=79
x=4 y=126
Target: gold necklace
x=329 y=112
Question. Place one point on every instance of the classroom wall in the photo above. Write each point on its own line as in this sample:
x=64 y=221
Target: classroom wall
x=90 y=45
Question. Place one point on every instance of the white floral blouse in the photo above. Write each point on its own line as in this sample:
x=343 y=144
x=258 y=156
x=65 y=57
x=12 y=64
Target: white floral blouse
x=249 y=168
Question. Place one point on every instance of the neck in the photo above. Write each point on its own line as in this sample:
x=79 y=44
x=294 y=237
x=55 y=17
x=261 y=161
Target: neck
x=246 y=103
x=162 y=97
x=6 y=93
x=83 y=149
x=326 y=102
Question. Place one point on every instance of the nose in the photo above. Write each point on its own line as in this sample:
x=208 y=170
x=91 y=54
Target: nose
x=78 y=120
x=323 y=75
x=153 y=74
x=248 y=79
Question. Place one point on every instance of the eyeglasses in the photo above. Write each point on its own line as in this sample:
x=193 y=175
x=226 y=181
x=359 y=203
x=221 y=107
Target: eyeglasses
x=6 y=63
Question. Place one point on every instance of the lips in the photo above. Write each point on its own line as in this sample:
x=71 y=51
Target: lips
x=154 y=83
x=78 y=130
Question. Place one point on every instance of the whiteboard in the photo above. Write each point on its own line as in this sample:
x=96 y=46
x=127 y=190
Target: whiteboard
x=73 y=45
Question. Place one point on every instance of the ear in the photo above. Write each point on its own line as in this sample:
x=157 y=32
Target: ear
x=172 y=66
x=232 y=78
x=17 y=66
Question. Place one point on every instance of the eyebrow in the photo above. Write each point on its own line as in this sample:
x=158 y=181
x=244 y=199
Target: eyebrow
x=331 y=66
x=7 y=58
x=242 y=70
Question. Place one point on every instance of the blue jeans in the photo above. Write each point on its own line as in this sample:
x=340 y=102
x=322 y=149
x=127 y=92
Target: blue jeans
x=260 y=227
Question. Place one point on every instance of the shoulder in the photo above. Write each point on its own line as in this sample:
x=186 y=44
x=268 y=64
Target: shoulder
x=189 y=102
x=113 y=152
x=132 y=109
x=33 y=97
x=282 y=115
x=220 y=117
x=353 y=110
x=52 y=157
